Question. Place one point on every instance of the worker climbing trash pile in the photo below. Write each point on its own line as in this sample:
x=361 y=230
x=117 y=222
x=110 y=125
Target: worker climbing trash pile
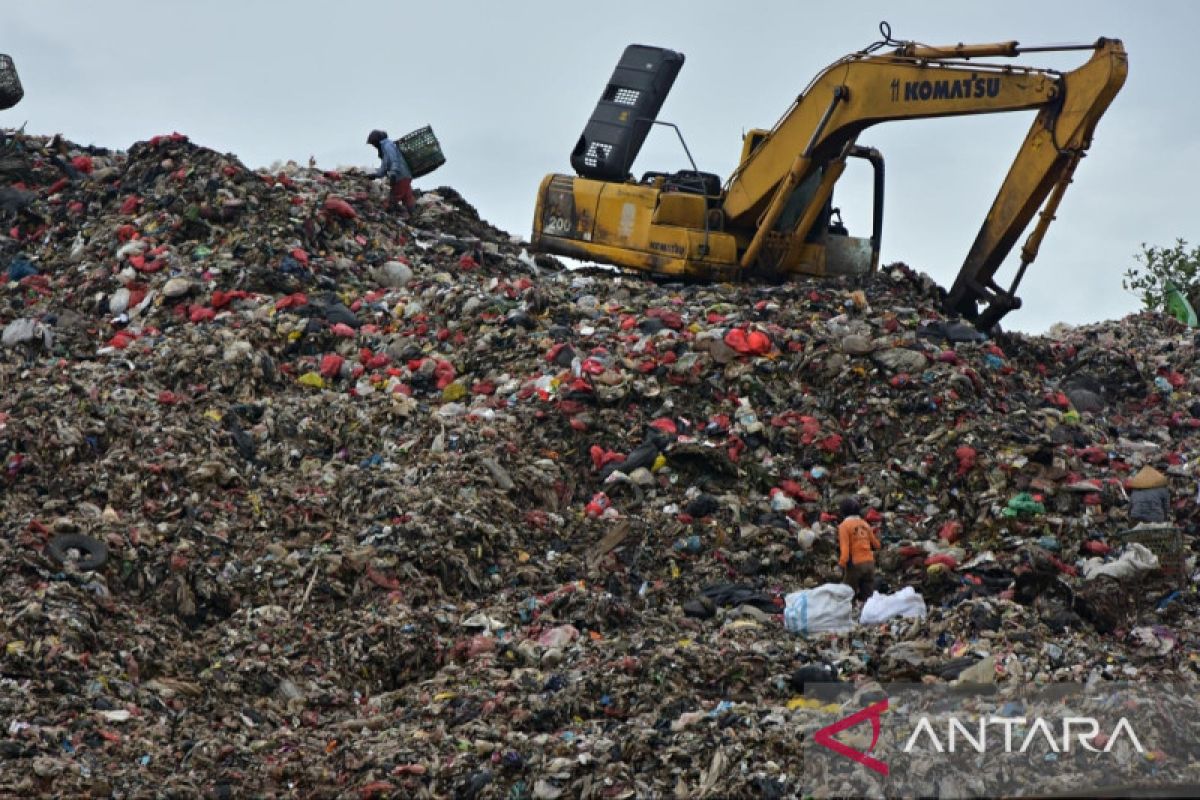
x=304 y=499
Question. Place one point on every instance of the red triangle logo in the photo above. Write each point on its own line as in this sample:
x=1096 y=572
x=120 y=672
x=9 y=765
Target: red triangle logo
x=872 y=712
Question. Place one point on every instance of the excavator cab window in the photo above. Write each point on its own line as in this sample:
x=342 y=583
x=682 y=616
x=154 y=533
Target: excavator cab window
x=824 y=224
x=692 y=182
x=689 y=182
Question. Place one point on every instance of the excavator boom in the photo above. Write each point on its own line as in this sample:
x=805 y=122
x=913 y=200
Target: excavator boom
x=773 y=213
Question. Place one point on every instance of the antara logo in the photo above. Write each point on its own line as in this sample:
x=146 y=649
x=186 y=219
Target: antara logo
x=947 y=90
x=824 y=737
x=1084 y=730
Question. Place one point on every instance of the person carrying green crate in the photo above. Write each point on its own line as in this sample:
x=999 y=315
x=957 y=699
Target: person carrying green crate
x=395 y=168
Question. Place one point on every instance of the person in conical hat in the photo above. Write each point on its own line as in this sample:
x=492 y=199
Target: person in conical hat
x=1149 y=500
x=1148 y=478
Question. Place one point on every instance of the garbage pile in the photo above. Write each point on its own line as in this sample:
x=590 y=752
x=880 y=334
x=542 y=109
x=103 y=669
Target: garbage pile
x=305 y=500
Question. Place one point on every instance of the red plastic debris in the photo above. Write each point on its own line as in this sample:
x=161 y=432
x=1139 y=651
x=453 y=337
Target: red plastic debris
x=666 y=425
x=748 y=343
x=602 y=457
x=340 y=208
x=831 y=443
x=553 y=353
x=122 y=339
x=598 y=505
x=174 y=136
x=671 y=319
x=966 y=459
x=221 y=299
x=591 y=366
x=375 y=361
x=1068 y=569
x=331 y=365
x=444 y=374
x=1093 y=455
x=375 y=789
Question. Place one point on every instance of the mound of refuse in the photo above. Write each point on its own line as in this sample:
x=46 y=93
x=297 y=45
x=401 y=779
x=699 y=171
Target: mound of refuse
x=304 y=499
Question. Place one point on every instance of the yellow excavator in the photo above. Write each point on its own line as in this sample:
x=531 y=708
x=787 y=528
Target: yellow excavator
x=774 y=215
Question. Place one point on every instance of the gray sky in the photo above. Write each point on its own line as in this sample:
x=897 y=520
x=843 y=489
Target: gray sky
x=508 y=88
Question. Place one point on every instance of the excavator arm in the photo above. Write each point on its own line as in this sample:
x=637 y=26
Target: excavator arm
x=777 y=189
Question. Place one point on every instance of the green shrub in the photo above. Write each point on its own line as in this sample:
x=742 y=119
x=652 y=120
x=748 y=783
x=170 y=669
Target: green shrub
x=1160 y=265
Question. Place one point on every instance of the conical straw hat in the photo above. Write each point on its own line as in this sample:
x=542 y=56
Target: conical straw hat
x=1147 y=478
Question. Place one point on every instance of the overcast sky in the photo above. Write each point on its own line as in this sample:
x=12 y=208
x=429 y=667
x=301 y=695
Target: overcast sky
x=508 y=88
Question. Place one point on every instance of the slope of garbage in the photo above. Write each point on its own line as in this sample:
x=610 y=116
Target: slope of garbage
x=393 y=509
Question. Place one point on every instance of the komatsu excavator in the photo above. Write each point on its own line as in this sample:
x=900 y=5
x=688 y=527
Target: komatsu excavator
x=774 y=215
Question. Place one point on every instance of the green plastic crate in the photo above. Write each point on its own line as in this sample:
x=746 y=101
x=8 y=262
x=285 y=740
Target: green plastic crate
x=422 y=151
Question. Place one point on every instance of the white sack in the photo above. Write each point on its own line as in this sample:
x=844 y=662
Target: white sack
x=825 y=609
x=882 y=607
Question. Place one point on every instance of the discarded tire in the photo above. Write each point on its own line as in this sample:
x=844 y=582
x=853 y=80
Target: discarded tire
x=83 y=551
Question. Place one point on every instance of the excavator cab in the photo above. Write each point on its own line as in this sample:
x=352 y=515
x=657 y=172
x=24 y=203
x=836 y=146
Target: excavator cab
x=846 y=254
x=836 y=227
x=827 y=236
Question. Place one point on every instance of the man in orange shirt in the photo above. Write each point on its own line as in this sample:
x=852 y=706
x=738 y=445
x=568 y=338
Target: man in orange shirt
x=858 y=544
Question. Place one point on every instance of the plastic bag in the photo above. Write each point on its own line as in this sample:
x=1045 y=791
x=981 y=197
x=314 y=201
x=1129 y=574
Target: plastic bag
x=882 y=607
x=1179 y=307
x=1023 y=505
x=1136 y=559
x=825 y=609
